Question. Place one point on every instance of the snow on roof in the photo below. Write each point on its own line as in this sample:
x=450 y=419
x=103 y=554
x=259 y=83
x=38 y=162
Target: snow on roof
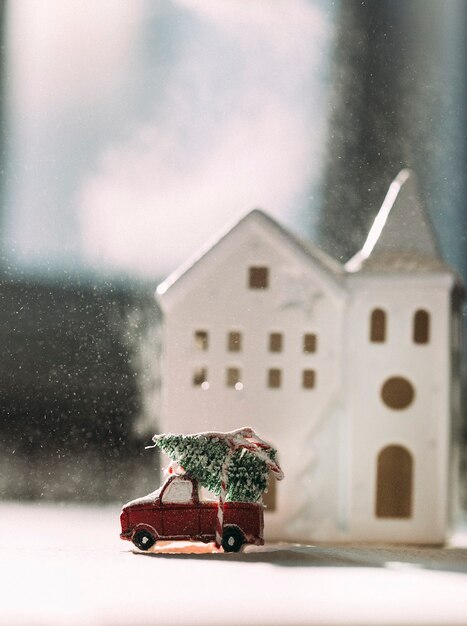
x=331 y=267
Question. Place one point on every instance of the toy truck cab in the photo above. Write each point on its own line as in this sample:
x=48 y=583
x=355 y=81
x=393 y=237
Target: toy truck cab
x=175 y=512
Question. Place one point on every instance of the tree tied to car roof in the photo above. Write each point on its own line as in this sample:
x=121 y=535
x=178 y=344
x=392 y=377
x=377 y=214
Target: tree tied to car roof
x=234 y=465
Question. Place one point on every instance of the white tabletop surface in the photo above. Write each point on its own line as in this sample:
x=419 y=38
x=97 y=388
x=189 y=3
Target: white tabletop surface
x=64 y=564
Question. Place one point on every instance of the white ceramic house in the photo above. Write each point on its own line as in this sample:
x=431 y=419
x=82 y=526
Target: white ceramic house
x=349 y=371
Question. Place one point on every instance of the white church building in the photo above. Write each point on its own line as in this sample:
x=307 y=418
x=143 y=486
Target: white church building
x=349 y=371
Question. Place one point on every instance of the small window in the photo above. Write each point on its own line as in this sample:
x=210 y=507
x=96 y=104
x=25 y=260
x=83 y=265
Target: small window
x=200 y=378
x=275 y=342
x=233 y=378
x=421 y=327
x=201 y=339
x=309 y=343
x=234 y=341
x=309 y=379
x=378 y=326
x=258 y=278
x=274 y=378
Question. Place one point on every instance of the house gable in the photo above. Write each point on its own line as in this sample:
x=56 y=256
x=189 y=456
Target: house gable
x=255 y=230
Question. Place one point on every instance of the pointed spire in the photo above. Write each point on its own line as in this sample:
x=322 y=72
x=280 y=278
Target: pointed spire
x=402 y=227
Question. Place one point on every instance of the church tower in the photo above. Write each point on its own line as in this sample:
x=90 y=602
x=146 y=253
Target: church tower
x=399 y=369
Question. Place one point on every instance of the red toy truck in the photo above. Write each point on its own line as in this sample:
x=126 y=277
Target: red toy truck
x=175 y=511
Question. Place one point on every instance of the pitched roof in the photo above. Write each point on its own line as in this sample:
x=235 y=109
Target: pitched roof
x=321 y=260
x=401 y=237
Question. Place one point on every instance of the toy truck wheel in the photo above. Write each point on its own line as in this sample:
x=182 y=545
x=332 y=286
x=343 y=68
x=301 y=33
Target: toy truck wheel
x=232 y=539
x=143 y=539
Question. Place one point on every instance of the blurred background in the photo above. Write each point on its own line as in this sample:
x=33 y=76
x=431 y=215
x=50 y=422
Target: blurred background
x=133 y=130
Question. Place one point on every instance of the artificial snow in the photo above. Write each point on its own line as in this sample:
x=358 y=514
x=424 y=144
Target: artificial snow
x=67 y=565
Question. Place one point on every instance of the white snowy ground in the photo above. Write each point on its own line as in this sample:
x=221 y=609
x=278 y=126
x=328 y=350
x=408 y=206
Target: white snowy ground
x=65 y=565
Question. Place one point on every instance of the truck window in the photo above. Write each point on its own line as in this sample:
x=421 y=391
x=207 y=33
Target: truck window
x=178 y=491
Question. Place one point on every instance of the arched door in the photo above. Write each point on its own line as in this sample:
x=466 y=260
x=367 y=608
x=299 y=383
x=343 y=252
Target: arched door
x=394 y=482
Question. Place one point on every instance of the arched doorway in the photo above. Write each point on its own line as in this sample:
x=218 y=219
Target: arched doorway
x=394 y=482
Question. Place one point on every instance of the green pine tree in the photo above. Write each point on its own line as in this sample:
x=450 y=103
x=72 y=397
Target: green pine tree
x=203 y=456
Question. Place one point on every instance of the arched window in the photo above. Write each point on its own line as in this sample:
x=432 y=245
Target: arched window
x=421 y=327
x=394 y=482
x=378 y=326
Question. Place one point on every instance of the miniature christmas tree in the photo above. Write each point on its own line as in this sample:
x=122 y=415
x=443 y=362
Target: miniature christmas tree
x=204 y=456
x=234 y=465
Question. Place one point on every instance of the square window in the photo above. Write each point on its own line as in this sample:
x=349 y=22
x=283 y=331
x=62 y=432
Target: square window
x=234 y=341
x=275 y=342
x=309 y=379
x=200 y=377
x=233 y=378
x=310 y=342
x=258 y=277
x=201 y=339
x=274 y=378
